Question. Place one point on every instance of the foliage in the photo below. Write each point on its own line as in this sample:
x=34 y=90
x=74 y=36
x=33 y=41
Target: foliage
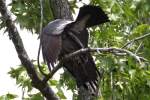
x=28 y=13
x=123 y=77
x=8 y=96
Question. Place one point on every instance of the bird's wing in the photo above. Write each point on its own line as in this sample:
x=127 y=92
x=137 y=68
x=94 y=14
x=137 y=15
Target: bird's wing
x=51 y=40
x=51 y=47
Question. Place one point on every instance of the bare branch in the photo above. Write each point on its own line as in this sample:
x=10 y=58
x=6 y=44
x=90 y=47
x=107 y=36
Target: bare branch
x=136 y=39
x=41 y=20
x=26 y=62
x=41 y=26
x=75 y=38
x=115 y=51
x=109 y=50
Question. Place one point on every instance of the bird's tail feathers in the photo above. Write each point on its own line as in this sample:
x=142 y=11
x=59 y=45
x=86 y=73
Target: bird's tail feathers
x=95 y=13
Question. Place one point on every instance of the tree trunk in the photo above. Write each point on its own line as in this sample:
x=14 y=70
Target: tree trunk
x=60 y=9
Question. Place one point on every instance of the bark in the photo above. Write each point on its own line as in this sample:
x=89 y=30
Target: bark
x=23 y=56
x=61 y=10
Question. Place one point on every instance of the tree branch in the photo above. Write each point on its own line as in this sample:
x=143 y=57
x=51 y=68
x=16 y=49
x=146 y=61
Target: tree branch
x=108 y=50
x=136 y=39
x=115 y=51
x=26 y=62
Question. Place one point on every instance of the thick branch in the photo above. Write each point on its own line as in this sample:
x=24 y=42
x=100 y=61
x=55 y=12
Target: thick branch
x=26 y=62
x=136 y=39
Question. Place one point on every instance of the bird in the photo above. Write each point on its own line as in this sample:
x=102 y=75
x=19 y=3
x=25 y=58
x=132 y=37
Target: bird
x=64 y=36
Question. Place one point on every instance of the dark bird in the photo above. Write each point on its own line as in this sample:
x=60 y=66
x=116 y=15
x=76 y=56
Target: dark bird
x=63 y=36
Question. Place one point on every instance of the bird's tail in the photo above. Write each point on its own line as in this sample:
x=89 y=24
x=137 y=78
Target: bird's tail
x=96 y=15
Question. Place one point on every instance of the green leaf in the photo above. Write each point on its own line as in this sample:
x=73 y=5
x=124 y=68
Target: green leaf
x=141 y=29
x=53 y=82
x=8 y=96
x=37 y=96
x=61 y=94
x=15 y=73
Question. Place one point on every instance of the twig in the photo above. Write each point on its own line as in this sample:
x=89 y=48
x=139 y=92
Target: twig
x=75 y=38
x=136 y=39
x=41 y=26
x=138 y=48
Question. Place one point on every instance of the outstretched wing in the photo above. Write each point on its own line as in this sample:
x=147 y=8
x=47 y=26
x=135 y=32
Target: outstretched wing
x=51 y=41
x=51 y=46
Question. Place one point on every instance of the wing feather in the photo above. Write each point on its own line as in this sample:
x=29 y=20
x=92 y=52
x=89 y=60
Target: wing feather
x=51 y=47
x=51 y=40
